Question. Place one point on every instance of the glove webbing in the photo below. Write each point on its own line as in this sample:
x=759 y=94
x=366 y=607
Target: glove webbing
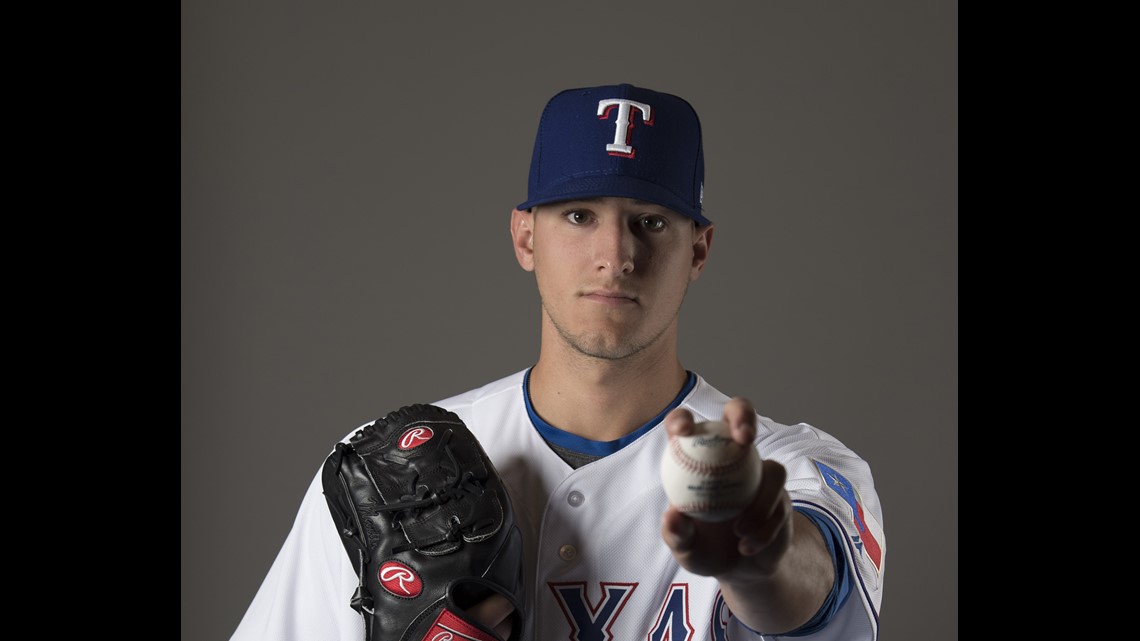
x=464 y=485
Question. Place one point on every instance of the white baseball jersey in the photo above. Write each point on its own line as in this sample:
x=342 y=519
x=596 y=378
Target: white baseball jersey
x=597 y=566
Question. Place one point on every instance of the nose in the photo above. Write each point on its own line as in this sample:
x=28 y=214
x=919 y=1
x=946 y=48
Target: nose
x=614 y=247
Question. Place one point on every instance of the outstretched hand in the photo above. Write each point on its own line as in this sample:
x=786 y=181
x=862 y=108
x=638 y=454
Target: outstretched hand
x=772 y=564
x=743 y=549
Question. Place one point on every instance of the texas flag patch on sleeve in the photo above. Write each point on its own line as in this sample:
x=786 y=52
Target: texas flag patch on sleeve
x=869 y=532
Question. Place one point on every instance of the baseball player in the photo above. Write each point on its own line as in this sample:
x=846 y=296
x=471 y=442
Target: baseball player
x=614 y=233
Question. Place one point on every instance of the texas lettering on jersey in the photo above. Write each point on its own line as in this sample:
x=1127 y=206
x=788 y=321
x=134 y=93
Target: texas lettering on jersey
x=594 y=621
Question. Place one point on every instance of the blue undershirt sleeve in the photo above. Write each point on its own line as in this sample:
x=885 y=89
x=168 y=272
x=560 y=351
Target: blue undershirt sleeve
x=842 y=586
x=840 y=589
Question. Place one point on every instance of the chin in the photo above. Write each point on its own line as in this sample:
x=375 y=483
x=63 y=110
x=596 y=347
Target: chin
x=607 y=347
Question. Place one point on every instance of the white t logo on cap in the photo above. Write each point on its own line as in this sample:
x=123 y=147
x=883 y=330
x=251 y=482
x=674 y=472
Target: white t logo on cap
x=623 y=126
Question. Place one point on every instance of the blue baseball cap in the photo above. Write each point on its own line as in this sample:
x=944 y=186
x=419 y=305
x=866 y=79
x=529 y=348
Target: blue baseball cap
x=619 y=140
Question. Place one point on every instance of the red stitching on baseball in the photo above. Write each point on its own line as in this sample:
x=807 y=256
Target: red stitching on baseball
x=690 y=464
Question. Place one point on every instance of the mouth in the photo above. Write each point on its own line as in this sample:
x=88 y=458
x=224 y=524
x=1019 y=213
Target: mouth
x=610 y=297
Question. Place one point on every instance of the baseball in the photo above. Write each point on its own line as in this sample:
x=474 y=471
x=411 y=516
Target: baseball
x=709 y=476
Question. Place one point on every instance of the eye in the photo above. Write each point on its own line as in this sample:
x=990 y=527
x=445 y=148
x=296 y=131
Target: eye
x=653 y=223
x=577 y=217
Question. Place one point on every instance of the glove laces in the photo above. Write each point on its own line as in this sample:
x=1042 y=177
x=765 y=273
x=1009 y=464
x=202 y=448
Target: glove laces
x=462 y=486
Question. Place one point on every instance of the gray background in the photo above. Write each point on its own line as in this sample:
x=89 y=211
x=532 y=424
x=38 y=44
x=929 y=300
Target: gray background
x=348 y=169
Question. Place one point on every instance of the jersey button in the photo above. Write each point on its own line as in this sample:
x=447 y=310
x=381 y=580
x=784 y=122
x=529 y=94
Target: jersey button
x=575 y=499
x=567 y=552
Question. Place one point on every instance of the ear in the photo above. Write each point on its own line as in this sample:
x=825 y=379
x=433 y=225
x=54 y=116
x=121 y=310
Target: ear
x=522 y=236
x=702 y=244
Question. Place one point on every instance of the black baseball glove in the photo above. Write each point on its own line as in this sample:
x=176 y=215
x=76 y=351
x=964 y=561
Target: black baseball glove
x=426 y=521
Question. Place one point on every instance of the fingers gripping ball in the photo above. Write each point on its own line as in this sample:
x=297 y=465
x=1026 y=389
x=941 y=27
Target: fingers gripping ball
x=709 y=476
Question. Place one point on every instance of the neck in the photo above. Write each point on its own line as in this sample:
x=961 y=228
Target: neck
x=604 y=399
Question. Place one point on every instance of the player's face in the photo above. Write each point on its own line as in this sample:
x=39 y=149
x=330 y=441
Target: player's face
x=611 y=272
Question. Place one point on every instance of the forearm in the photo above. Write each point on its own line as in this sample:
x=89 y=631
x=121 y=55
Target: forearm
x=793 y=592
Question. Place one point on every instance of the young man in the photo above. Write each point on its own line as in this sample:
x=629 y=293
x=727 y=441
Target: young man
x=614 y=233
